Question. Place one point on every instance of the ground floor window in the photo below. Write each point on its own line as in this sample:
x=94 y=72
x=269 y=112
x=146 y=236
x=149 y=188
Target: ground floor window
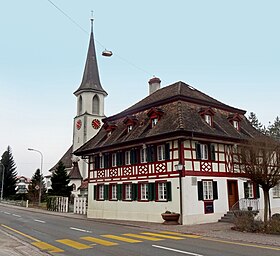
x=127 y=191
x=100 y=190
x=113 y=192
x=207 y=190
x=276 y=190
x=144 y=191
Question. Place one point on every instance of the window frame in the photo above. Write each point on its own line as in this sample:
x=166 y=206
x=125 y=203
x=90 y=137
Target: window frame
x=154 y=121
x=113 y=190
x=161 y=153
x=143 y=155
x=101 y=161
x=208 y=190
x=143 y=191
x=208 y=119
x=276 y=191
x=114 y=159
x=100 y=192
x=161 y=191
x=127 y=191
x=127 y=160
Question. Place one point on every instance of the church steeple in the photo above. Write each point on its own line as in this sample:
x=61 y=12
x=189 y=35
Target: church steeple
x=91 y=81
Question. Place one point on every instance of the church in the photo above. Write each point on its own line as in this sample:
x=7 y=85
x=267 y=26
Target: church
x=172 y=151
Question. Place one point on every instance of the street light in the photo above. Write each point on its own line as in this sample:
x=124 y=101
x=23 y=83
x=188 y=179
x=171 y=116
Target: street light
x=2 y=184
x=179 y=168
x=41 y=173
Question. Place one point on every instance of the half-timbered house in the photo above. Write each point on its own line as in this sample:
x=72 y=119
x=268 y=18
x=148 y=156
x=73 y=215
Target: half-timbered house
x=134 y=160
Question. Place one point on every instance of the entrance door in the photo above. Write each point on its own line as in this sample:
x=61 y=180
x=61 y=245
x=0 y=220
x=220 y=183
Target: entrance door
x=232 y=192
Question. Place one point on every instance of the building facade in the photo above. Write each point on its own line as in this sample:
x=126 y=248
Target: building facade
x=133 y=169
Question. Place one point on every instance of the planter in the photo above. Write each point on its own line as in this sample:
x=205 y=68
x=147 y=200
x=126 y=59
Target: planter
x=170 y=218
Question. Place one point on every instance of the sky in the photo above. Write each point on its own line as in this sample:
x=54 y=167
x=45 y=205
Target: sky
x=226 y=49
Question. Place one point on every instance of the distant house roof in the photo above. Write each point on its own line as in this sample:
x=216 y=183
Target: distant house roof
x=180 y=105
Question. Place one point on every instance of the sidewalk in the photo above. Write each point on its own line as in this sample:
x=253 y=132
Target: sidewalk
x=218 y=230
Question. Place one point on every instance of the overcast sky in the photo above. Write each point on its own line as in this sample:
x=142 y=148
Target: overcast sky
x=226 y=49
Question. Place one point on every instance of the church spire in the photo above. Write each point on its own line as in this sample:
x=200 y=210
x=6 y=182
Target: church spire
x=91 y=81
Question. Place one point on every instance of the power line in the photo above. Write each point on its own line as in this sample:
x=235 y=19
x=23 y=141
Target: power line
x=80 y=27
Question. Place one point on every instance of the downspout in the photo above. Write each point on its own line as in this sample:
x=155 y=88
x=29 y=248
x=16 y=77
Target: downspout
x=181 y=158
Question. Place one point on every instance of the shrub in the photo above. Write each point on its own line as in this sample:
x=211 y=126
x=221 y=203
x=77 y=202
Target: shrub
x=245 y=221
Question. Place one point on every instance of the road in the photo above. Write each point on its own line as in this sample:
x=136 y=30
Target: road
x=68 y=236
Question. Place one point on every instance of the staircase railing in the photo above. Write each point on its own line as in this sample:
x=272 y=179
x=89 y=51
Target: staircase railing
x=246 y=204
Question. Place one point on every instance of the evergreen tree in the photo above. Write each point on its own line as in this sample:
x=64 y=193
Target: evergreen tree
x=273 y=130
x=60 y=181
x=33 y=191
x=10 y=174
x=255 y=123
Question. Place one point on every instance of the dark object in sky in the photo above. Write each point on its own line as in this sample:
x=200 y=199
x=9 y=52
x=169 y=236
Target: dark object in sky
x=107 y=53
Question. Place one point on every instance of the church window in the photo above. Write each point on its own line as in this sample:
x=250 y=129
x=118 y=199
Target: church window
x=95 y=105
x=80 y=105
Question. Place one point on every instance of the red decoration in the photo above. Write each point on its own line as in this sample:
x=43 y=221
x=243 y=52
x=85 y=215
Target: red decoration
x=95 y=123
x=79 y=124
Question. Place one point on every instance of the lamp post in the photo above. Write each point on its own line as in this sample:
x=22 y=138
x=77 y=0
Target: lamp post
x=179 y=168
x=41 y=173
x=2 y=183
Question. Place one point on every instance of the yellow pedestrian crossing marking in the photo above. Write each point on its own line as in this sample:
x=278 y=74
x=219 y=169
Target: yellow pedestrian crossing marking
x=124 y=239
x=74 y=244
x=180 y=234
x=98 y=241
x=163 y=236
x=47 y=247
x=144 y=237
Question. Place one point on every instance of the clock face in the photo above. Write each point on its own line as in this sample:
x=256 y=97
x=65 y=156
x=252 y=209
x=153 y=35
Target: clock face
x=95 y=123
x=79 y=124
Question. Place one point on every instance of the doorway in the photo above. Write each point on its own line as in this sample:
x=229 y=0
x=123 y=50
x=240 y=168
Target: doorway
x=232 y=192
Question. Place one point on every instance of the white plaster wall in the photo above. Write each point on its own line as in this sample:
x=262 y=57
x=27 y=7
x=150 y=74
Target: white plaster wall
x=132 y=210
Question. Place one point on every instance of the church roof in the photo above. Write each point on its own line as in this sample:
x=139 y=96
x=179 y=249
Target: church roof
x=66 y=159
x=91 y=81
x=181 y=106
x=75 y=172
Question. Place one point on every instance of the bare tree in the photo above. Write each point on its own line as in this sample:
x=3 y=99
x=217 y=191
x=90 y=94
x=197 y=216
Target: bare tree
x=259 y=160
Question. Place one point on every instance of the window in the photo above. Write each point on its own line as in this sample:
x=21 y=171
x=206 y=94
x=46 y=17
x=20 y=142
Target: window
x=129 y=128
x=127 y=191
x=74 y=187
x=143 y=155
x=208 y=119
x=160 y=152
x=205 y=151
x=235 y=124
x=100 y=189
x=113 y=192
x=80 y=105
x=144 y=191
x=276 y=190
x=101 y=161
x=249 y=190
x=127 y=157
x=154 y=122
x=162 y=191
x=95 y=105
x=207 y=190
x=114 y=159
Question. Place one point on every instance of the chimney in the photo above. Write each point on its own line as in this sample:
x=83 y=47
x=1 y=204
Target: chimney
x=154 y=85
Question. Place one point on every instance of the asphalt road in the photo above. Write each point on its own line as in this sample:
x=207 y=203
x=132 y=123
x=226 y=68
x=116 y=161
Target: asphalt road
x=65 y=236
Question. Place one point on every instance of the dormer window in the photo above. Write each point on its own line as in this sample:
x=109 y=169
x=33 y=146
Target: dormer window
x=154 y=122
x=235 y=119
x=208 y=119
x=207 y=114
x=155 y=114
x=110 y=127
x=130 y=122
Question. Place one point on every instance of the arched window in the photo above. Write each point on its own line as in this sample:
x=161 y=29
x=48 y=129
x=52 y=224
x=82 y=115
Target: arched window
x=95 y=105
x=80 y=105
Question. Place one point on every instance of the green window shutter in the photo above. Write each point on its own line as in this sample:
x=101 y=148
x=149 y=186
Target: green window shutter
x=215 y=190
x=95 y=192
x=96 y=162
x=134 y=191
x=257 y=191
x=152 y=191
x=149 y=154
x=169 y=192
x=119 y=192
x=167 y=151
x=106 y=192
x=106 y=161
x=212 y=152
x=197 y=151
x=246 y=190
x=153 y=153
x=200 y=190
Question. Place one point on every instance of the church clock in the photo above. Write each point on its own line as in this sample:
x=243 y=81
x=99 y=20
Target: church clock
x=95 y=123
